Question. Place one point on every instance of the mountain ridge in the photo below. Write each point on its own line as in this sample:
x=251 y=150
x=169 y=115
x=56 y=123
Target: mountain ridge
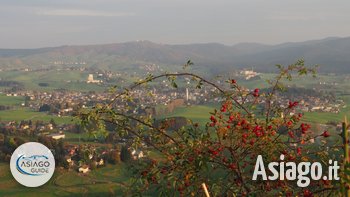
x=332 y=53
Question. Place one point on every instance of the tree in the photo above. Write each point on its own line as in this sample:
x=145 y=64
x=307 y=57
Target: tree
x=26 y=101
x=113 y=156
x=44 y=108
x=125 y=154
x=52 y=121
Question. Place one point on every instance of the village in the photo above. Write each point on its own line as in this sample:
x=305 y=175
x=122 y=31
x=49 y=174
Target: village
x=156 y=100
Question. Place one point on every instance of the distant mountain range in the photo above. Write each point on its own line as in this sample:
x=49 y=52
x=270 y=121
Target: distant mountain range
x=332 y=54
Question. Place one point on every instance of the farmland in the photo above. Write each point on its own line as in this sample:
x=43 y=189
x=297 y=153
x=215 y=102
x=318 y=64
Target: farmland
x=27 y=114
x=70 y=80
x=110 y=180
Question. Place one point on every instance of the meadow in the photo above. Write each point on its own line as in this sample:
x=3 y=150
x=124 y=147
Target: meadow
x=197 y=113
x=27 y=114
x=10 y=100
x=70 y=80
x=110 y=180
x=201 y=113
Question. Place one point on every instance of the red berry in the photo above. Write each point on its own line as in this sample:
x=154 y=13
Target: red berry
x=244 y=135
x=291 y=134
x=233 y=81
x=291 y=157
x=289 y=194
x=299 y=151
x=231 y=117
x=325 y=134
x=304 y=127
x=257 y=128
x=232 y=166
x=307 y=193
x=290 y=104
x=144 y=173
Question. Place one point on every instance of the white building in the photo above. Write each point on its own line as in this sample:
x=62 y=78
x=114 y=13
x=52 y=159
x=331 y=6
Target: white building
x=136 y=154
x=91 y=79
x=57 y=136
x=84 y=169
x=248 y=74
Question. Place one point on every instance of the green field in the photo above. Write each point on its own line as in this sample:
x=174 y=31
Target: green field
x=70 y=80
x=197 y=113
x=332 y=82
x=324 y=117
x=26 y=114
x=11 y=100
x=106 y=181
x=200 y=114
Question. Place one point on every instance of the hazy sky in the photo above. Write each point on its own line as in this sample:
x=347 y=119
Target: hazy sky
x=38 y=23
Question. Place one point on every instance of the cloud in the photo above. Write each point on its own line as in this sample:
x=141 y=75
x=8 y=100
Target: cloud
x=76 y=12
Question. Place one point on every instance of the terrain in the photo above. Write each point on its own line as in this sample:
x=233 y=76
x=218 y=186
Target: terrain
x=66 y=68
x=330 y=53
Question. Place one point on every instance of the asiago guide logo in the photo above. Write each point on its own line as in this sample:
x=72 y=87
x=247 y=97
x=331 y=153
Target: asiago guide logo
x=32 y=164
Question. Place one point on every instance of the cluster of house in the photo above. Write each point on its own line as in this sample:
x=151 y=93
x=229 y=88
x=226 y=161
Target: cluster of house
x=315 y=104
x=96 y=156
x=66 y=101
x=37 y=127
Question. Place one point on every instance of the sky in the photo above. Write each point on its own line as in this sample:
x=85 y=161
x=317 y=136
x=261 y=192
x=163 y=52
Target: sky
x=44 y=23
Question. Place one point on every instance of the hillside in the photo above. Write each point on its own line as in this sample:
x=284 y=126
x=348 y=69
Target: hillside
x=332 y=54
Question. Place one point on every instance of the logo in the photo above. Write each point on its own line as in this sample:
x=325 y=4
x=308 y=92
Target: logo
x=291 y=171
x=32 y=164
